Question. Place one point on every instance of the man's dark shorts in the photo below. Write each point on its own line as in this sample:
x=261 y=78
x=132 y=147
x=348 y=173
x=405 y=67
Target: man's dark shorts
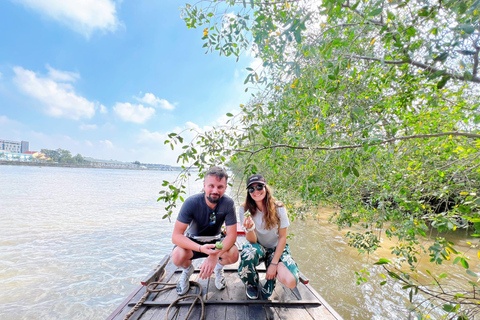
x=197 y=254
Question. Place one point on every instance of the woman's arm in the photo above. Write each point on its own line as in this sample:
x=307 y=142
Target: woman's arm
x=282 y=241
x=251 y=236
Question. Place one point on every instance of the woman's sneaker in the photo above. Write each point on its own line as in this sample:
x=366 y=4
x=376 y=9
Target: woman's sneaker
x=252 y=292
x=183 y=283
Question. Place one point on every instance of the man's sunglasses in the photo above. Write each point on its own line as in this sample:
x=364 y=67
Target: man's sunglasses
x=213 y=218
x=257 y=187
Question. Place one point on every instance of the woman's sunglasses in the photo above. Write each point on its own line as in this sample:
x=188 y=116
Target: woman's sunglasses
x=257 y=187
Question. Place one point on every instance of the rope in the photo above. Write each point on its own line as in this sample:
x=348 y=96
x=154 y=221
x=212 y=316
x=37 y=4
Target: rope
x=151 y=287
x=197 y=298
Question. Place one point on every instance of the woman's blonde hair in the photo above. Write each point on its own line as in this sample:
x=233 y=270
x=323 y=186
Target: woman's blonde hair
x=270 y=217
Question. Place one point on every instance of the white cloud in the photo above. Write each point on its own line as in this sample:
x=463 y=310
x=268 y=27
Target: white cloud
x=146 y=136
x=149 y=98
x=83 y=16
x=136 y=113
x=106 y=143
x=58 y=99
x=87 y=126
x=103 y=109
x=64 y=76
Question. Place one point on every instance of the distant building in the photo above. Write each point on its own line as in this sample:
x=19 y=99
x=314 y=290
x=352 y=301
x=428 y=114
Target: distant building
x=14 y=146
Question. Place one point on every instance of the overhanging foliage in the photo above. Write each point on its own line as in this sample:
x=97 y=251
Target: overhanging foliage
x=371 y=106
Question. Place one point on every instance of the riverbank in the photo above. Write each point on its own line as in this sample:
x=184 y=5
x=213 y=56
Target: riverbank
x=89 y=165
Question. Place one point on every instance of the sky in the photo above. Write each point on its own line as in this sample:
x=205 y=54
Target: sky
x=110 y=79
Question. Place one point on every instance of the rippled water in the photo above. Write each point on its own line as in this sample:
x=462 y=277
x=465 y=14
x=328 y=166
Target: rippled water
x=75 y=242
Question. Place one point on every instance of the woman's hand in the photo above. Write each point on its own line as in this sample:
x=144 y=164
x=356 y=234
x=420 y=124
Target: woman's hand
x=271 y=272
x=248 y=223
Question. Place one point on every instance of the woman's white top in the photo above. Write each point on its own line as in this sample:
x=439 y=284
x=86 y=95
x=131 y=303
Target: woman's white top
x=267 y=238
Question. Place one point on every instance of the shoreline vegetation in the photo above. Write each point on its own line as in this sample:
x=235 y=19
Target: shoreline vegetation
x=64 y=158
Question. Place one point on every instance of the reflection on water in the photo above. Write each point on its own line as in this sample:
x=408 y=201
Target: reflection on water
x=75 y=242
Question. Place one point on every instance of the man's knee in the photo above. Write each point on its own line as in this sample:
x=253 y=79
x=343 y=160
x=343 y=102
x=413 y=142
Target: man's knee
x=180 y=255
x=231 y=256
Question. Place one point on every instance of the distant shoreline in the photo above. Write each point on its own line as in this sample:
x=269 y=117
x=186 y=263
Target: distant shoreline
x=69 y=165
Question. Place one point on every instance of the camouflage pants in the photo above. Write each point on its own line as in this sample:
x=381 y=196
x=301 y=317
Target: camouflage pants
x=252 y=255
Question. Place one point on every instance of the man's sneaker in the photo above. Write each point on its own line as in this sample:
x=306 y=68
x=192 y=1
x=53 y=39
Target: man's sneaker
x=252 y=292
x=219 y=279
x=183 y=283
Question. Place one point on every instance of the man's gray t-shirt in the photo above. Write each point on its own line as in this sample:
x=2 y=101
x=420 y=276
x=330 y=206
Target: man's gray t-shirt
x=196 y=213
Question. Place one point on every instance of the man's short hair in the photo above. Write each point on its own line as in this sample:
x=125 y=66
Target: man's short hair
x=217 y=172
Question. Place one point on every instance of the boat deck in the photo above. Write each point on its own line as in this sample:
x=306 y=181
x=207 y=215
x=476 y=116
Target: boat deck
x=303 y=302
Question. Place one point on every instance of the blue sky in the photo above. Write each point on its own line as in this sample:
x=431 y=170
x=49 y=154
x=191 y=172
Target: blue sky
x=109 y=79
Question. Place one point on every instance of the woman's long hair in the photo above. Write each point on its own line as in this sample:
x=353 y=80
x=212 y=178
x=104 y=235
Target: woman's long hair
x=270 y=217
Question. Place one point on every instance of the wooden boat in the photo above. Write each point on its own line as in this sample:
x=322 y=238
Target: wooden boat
x=302 y=302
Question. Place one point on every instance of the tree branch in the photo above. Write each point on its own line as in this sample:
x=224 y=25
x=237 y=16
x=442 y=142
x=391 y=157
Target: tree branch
x=416 y=64
x=356 y=146
x=475 y=57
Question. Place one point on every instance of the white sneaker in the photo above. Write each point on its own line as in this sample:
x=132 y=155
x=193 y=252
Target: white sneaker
x=219 y=279
x=183 y=284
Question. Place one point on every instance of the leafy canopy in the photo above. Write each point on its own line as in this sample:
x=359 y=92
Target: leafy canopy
x=371 y=106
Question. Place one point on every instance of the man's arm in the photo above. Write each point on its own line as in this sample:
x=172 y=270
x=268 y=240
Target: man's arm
x=179 y=238
x=231 y=237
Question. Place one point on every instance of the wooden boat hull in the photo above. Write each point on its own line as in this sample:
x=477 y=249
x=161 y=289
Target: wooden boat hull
x=302 y=302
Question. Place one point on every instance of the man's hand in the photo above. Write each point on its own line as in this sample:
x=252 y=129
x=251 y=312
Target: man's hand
x=206 y=269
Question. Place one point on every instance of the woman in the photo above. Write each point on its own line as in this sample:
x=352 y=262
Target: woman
x=266 y=233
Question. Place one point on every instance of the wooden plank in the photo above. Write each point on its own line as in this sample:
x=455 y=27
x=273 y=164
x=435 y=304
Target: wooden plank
x=237 y=312
x=332 y=311
x=289 y=313
x=256 y=312
x=317 y=312
x=271 y=313
x=235 y=302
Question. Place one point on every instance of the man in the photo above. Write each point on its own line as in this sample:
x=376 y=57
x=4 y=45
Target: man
x=203 y=214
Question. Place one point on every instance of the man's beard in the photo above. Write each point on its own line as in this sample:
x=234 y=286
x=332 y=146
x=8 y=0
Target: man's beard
x=209 y=198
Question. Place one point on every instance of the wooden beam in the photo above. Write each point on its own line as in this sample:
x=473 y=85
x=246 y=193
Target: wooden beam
x=233 y=302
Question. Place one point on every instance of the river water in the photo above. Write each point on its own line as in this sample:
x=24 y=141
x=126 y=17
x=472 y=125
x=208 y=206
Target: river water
x=74 y=242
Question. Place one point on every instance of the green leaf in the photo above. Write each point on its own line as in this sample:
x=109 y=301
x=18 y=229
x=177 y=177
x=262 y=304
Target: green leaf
x=229 y=115
x=464 y=263
x=441 y=57
x=467 y=75
x=346 y=172
x=437 y=74
x=298 y=36
x=448 y=307
x=471 y=273
x=424 y=12
x=467 y=28
x=355 y=172
x=382 y=261
x=442 y=82
x=375 y=12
